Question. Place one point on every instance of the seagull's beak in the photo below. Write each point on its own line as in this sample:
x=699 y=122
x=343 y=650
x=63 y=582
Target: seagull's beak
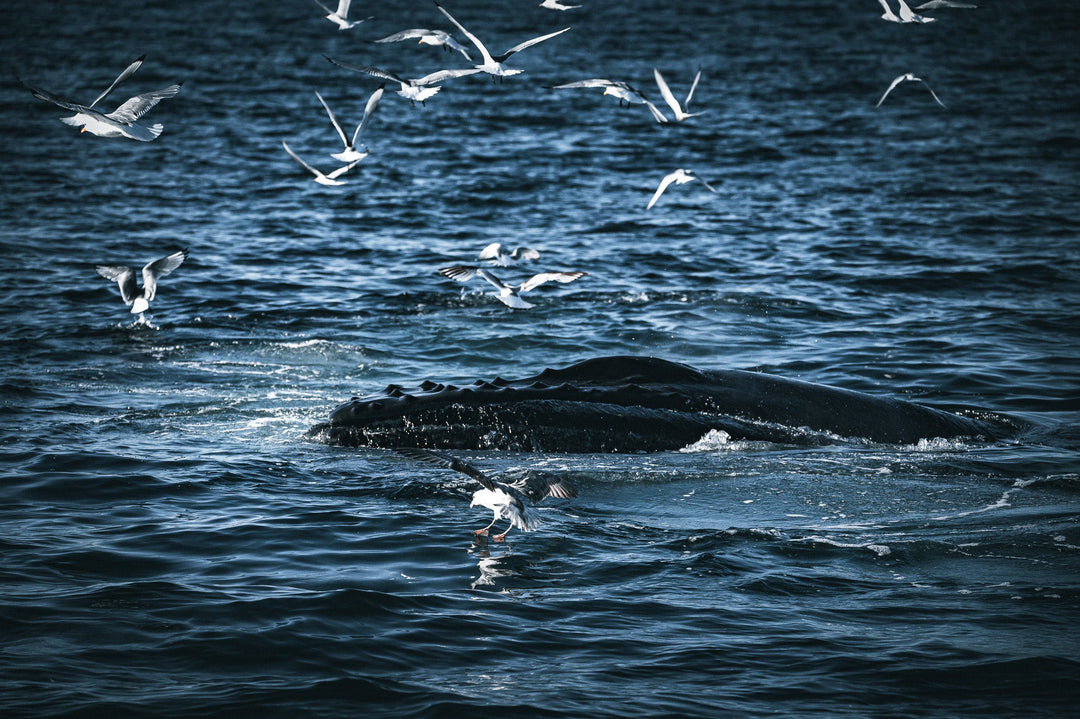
x=82 y=130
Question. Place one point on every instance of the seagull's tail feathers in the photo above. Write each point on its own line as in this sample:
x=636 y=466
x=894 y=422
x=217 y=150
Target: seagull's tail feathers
x=528 y=520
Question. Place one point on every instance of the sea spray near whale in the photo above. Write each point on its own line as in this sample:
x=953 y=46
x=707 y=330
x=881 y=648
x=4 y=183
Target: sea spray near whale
x=638 y=404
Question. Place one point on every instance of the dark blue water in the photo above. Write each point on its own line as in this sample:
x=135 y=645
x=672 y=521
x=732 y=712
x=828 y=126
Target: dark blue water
x=174 y=545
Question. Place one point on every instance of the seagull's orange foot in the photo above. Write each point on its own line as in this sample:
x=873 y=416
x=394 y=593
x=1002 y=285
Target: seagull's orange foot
x=500 y=537
x=480 y=532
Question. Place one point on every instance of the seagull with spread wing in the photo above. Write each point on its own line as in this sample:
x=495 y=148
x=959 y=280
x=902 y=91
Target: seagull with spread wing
x=499 y=255
x=121 y=122
x=509 y=295
x=329 y=179
x=350 y=153
x=681 y=110
x=340 y=17
x=679 y=177
x=512 y=501
x=129 y=288
x=493 y=64
x=416 y=90
x=909 y=77
x=429 y=37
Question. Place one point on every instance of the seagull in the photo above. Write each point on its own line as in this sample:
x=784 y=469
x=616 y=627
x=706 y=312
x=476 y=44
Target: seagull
x=327 y=179
x=129 y=289
x=938 y=4
x=908 y=77
x=499 y=256
x=507 y=294
x=417 y=90
x=907 y=15
x=429 y=37
x=619 y=90
x=350 y=153
x=679 y=177
x=511 y=501
x=681 y=111
x=340 y=17
x=556 y=5
x=121 y=122
x=493 y=64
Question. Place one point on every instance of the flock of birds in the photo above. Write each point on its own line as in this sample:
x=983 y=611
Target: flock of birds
x=509 y=501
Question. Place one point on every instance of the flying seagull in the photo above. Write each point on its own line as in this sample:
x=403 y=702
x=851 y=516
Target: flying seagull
x=340 y=17
x=500 y=256
x=679 y=177
x=511 y=501
x=323 y=179
x=556 y=5
x=121 y=122
x=129 y=289
x=417 y=90
x=681 y=110
x=493 y=64
x=508 y=295
x=908 y=77
x=619 y=90
x=350 y=153
x=429 y=37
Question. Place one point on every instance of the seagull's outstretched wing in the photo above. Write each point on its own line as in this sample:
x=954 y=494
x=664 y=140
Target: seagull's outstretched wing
x=892 y=85
x=128 y=72
x=159 y=268
x=296 y=157
x=333 y=120
x=665 y=92
x=529 y=43
x=47 y=97
x=369 y=110
x=369 y=70
x=693 y=86
x=537 y=280
x=440 y=75
x=538 y=486
x=125 y=277
x=668 y=179
x=472 y=38
x=446 y=461
x=139 y=105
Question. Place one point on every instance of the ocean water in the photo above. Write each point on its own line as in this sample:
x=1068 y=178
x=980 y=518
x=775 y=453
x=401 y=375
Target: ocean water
x=175 y=545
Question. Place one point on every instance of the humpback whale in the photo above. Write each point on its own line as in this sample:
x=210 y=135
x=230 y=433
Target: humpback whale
x=638 y=404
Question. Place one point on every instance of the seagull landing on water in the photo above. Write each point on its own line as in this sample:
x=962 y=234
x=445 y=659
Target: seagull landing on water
x=493 y=64
x=511 y=501
x=121 y=122
x=908 y=77
x=679 y=177
x=503 y=258
x=681 y=110
x=129 y=288
x=429 y=37
x=350 y=153
x=329 y=179
x=417 y=90
x=340 y=17
x=507 y=294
